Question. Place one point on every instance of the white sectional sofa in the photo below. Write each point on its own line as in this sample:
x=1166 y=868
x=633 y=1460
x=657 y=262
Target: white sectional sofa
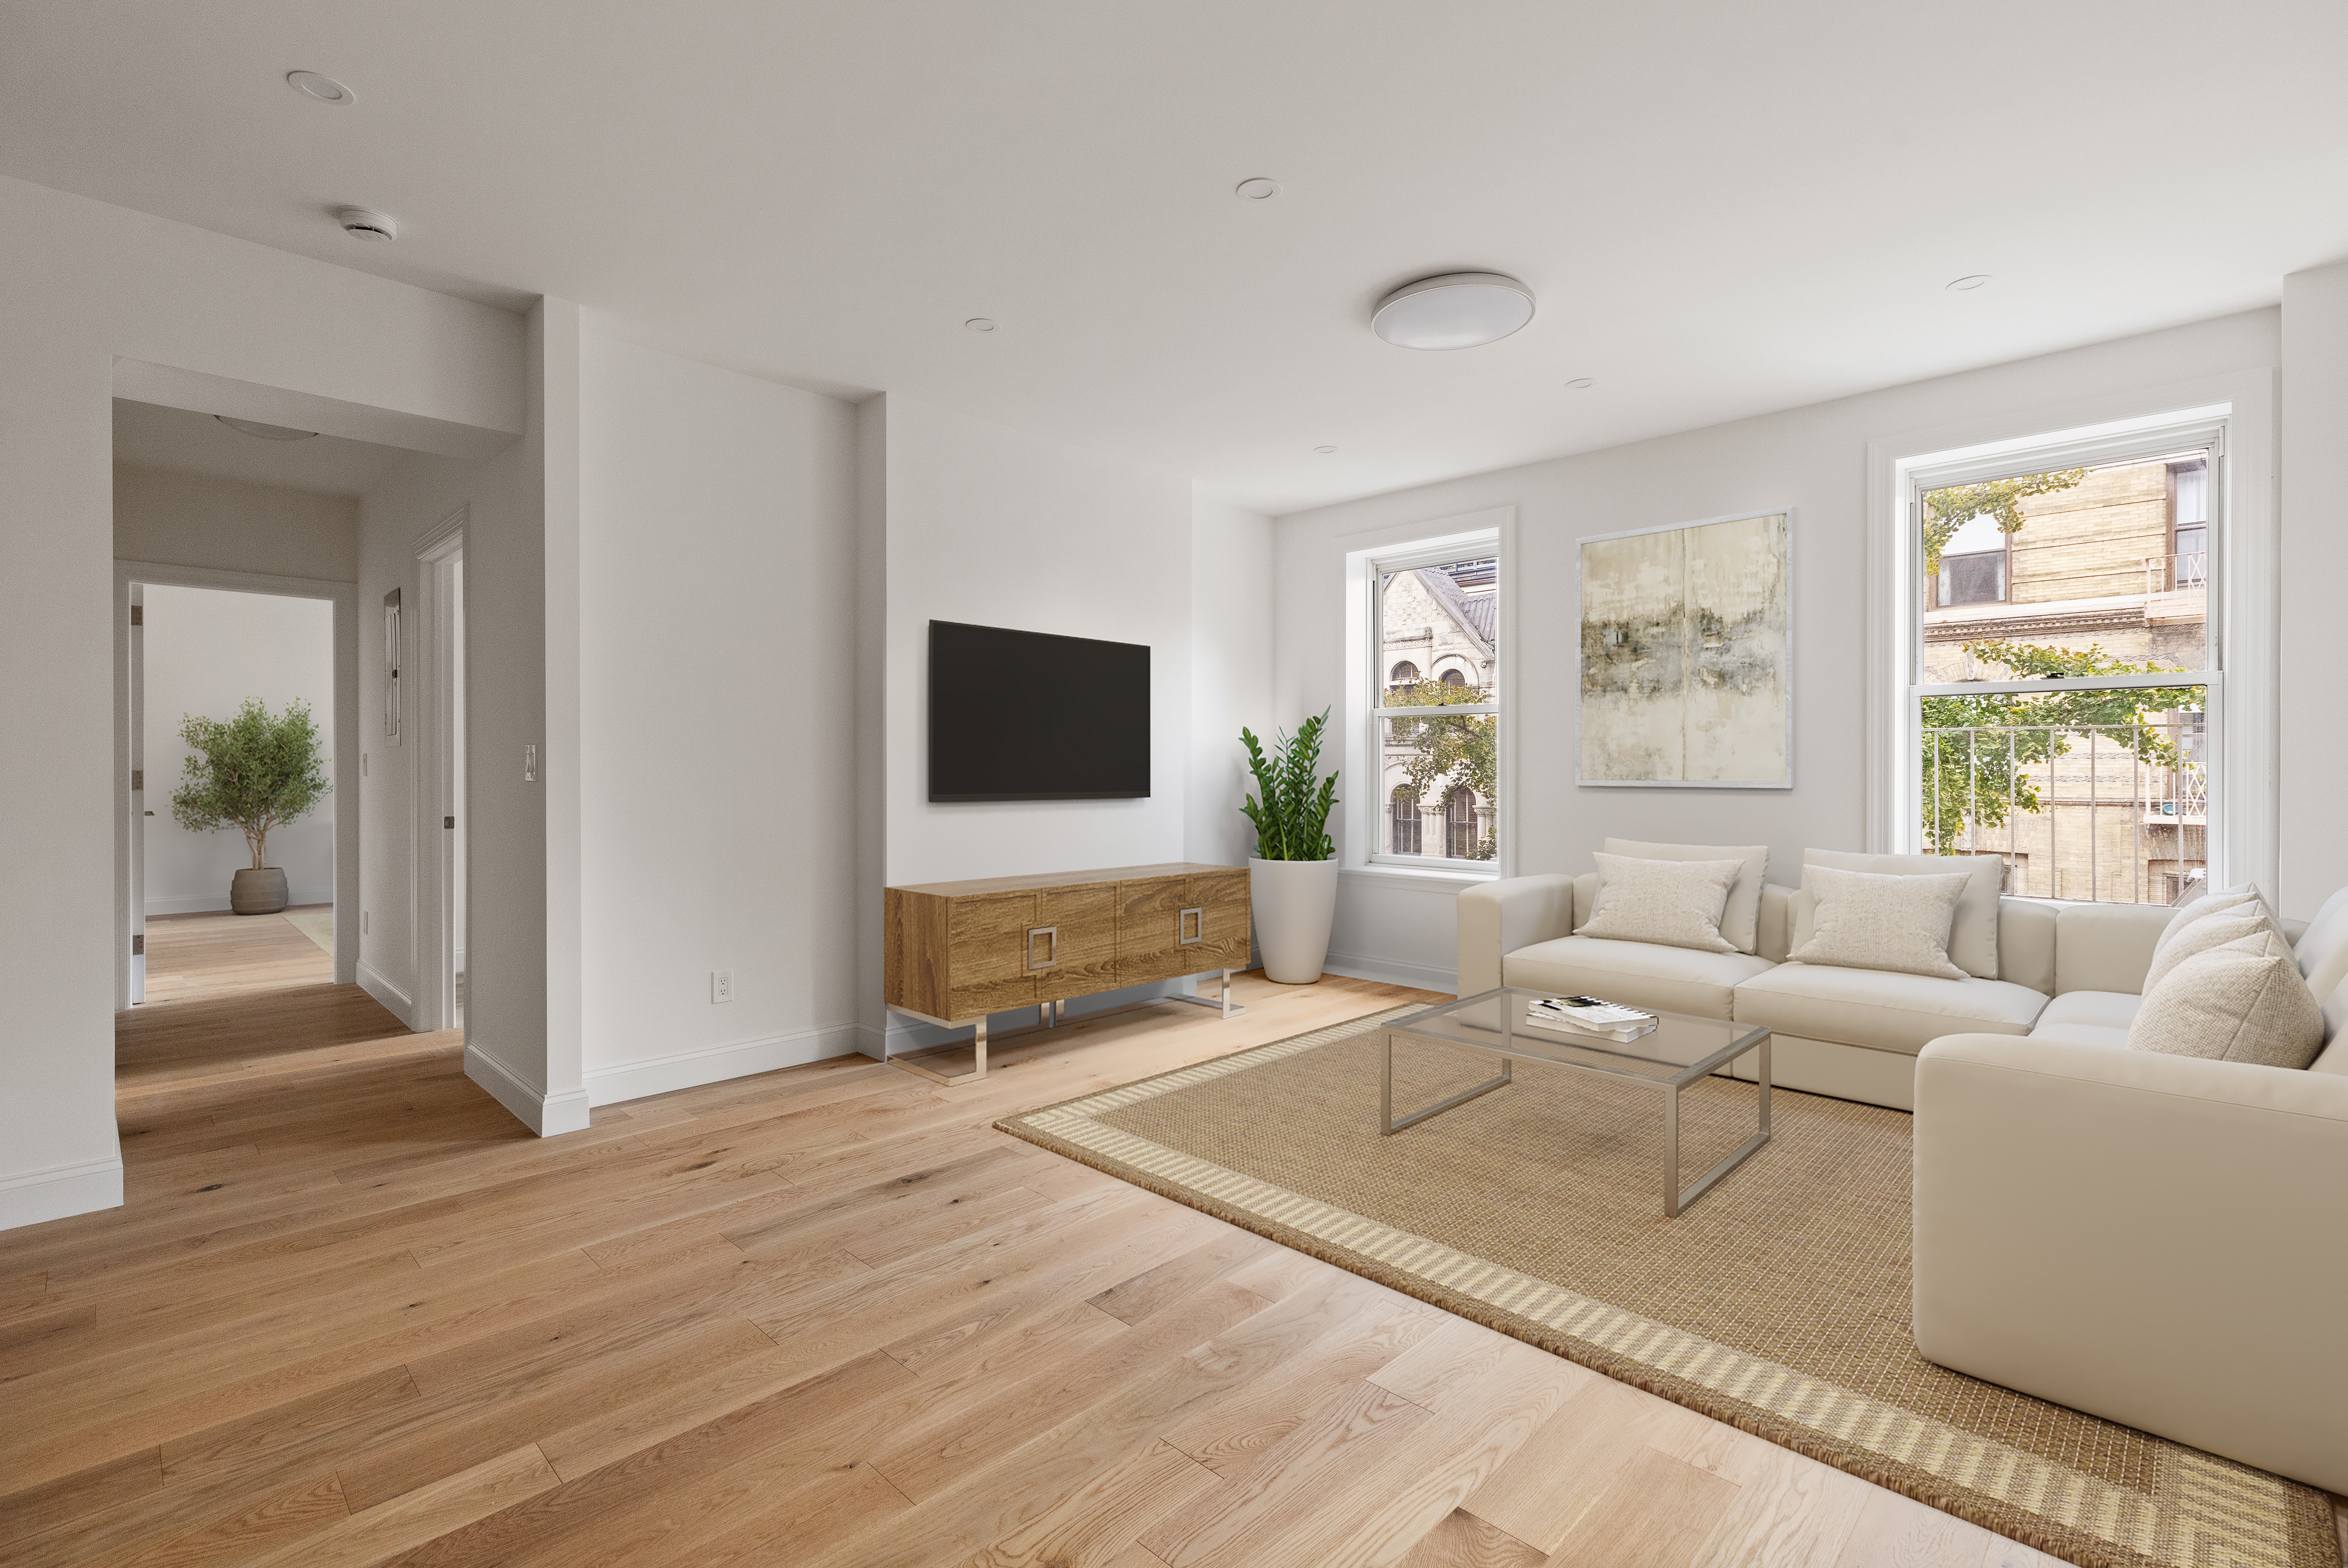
x=2066 y=972
x=2149 y=1238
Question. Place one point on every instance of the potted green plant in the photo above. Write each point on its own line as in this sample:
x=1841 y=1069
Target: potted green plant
x=252 y=772
x=1292 y=876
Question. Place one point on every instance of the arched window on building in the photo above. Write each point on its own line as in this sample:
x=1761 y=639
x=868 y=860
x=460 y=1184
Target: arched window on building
x=1405 y=811
x=1404 y=673
x=1454 y=677
x=1459 y=835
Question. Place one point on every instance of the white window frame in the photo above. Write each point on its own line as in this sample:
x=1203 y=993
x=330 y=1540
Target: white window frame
x=2232 y=417
x=1434 y=543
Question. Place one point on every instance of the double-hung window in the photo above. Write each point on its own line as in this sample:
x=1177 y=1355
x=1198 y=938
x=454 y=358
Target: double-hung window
x=2064 y=682
x=1435 y=706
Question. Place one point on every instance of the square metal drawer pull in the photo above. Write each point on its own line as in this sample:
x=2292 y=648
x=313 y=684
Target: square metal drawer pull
x=1051 y=959
x=1191 y=928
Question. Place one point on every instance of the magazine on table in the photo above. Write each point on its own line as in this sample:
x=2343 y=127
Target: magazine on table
x=1589 y=1015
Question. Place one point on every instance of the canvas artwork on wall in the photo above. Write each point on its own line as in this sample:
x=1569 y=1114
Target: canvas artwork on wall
x=1686 y=668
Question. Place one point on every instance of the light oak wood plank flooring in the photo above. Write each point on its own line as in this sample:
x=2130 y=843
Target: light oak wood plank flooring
x=354 y=1314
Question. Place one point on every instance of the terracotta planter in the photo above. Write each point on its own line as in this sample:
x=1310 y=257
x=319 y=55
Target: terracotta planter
x=258 y=892
x=1295 y=904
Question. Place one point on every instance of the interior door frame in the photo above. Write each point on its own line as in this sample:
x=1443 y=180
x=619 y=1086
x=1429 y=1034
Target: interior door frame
x=345 y=599
x=439 y=618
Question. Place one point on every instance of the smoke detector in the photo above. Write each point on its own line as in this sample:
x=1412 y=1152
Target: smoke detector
x=266 y=432
x=363 y=223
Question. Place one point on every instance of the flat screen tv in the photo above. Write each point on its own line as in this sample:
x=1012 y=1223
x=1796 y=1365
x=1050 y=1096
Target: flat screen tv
x=1026 y=716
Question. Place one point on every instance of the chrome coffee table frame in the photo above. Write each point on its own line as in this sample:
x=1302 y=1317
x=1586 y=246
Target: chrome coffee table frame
x=1543 y=1045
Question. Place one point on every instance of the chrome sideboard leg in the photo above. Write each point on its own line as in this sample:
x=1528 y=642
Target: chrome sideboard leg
x=1221 y=1001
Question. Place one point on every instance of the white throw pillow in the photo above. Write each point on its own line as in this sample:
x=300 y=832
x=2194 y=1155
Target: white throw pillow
x=1972 y=935
x=1740 y=918
x=2242 y=1001
x=2179 y=943
x=1873 y=920
x=1672 y=903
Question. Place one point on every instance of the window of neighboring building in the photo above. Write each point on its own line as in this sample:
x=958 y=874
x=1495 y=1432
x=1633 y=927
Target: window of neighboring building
x=1437 y=737
x=2062 y=679
x=1404 y=835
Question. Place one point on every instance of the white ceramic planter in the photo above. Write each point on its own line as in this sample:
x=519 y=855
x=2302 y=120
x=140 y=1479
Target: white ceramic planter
x=1294 y=903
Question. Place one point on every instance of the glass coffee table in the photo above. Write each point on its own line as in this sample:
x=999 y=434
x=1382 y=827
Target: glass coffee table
x=1681 y=1049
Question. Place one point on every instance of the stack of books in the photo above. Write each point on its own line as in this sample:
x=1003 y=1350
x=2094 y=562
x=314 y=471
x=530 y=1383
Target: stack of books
x=1589 y=1015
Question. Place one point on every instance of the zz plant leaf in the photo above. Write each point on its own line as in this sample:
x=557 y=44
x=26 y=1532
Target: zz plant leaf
x=1291 y=803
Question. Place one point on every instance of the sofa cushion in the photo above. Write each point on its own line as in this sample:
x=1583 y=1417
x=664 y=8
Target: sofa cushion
x=1973 y=939
x=1674 y=979
x=1886 y=1011
x=1861 y=920
x=2323 y=949
x=2245 y=1001
x=2104 y=946
x=1740 y=918
x=2088 y=1018
x=1673 y=904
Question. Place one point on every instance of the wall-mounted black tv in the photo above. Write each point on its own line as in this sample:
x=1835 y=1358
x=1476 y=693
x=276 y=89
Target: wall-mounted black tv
x=1026 y=716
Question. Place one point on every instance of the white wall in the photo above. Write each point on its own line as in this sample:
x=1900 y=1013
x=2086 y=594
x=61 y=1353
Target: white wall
x=2315 y=563
x=1232 y=619
x=90 y=283
x=207 y=651
x=716 y=722
x=189 y=520
x=1814 y=460
x=986 y=524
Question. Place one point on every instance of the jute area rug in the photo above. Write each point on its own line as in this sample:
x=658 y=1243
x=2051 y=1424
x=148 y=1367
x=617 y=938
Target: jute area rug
x=1778 y=1303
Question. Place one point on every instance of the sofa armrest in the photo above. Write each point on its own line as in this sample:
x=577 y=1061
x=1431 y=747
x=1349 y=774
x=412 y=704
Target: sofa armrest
x=1776 y=928
x=1498 y=918
x=2149 y=1238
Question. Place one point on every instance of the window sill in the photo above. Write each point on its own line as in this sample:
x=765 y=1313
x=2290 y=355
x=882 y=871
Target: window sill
x=1414 y=879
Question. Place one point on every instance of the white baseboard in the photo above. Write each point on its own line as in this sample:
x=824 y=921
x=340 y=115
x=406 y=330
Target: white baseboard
x=1394 y=972
x=715 y=1064
x=372 y=982
x=34 y=1197
x=548 y=1115
x=205 y=904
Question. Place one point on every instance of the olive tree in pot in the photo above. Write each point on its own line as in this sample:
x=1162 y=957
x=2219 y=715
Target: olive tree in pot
x=1292 y=876
x=255 y=773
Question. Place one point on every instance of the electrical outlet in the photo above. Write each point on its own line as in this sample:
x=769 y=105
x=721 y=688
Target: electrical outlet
x=721 y=986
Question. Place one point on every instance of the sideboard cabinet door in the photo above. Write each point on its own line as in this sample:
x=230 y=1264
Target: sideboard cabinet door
x=1221 y=924
x=1148 y=948
x=987 y=941
x=1083 y=945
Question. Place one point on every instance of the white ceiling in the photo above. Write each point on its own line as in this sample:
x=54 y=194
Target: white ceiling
x=178 y=441
x=1724 y=208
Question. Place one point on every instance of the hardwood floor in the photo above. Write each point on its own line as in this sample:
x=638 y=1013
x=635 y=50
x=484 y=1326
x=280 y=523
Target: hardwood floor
x=354 y=1314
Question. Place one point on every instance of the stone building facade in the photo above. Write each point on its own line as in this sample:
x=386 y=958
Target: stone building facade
x=1436 y=624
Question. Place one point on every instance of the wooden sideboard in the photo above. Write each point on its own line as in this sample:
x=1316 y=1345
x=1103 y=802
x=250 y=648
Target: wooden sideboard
x=957 y=950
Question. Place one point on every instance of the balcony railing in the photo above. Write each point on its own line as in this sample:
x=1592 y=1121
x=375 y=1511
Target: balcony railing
x=2117 y=812
x=2178 y=573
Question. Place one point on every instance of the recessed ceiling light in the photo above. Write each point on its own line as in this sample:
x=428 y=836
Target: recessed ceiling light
x=266 y=432
x=979 y=324
x=1583 y=383
x=1256 y=189
x=365 y=223
x=1453 y=310
x=1324 y=452
x=1970 y=281
x=326 y=89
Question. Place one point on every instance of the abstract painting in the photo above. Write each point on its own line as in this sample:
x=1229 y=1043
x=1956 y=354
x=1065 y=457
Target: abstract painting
x=1686 y=669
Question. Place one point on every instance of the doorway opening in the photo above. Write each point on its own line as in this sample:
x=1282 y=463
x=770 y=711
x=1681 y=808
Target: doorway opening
x=440 y=768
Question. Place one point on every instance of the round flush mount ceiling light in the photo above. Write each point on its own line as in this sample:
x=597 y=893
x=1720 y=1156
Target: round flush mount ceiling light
x=326 y=89
x=363 y=223
x=266 y=432
x=1324 y=452
x=1581 y=383
x=1256 y=189
x=1453 y=310
x=1969 y=283
x=979 y=324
